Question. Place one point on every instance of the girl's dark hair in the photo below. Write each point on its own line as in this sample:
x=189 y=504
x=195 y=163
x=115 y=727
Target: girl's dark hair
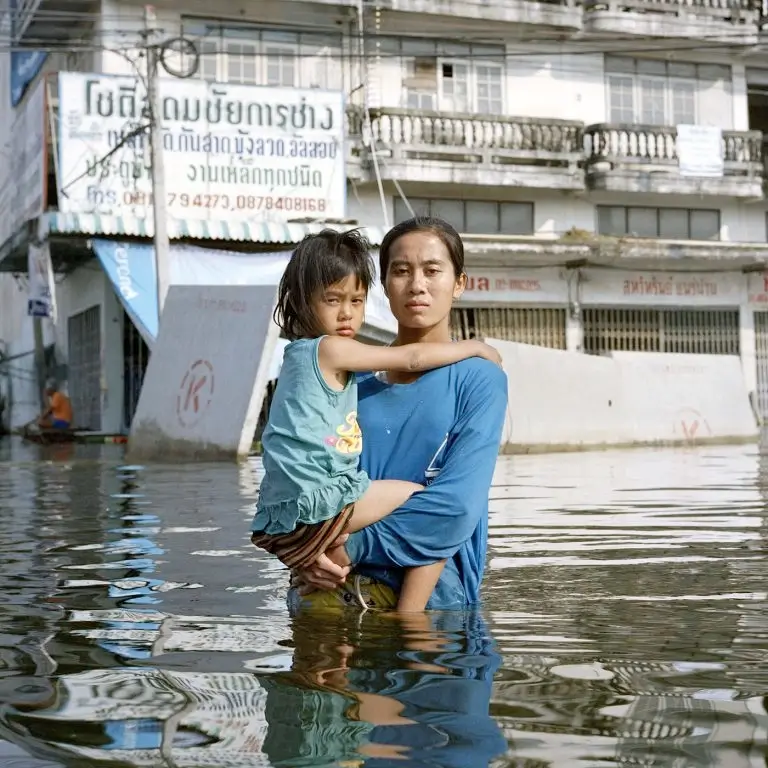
x=319 y=261
x=450 y=237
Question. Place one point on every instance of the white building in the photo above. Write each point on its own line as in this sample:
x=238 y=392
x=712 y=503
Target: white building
x=555 y=135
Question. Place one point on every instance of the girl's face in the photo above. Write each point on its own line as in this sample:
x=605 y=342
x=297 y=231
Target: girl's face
x=421 y=283
x=339 y=309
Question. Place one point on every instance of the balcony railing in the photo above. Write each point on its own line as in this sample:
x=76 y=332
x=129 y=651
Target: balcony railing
x=643 y=147
x=489 y=13
x=724 y=10
x=466 y=138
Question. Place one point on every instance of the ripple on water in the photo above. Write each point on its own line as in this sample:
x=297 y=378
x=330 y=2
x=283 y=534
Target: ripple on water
x=625 y=623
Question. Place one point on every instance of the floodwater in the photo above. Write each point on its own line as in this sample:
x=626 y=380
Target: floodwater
x=625 y=623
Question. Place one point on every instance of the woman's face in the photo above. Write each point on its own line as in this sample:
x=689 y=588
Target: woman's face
x=421 y=283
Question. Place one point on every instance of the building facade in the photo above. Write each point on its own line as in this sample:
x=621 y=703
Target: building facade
x=603 y=160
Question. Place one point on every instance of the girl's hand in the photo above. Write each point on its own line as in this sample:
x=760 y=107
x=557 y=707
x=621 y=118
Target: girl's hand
x=481 y=349
x=327 y=573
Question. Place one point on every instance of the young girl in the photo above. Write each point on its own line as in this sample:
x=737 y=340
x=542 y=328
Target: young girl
x=313 y=491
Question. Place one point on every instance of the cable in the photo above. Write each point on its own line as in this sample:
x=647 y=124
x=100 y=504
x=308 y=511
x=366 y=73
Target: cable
x=704 y=43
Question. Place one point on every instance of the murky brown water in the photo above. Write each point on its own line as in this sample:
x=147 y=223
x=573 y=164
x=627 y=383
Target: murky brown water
x=626 y=624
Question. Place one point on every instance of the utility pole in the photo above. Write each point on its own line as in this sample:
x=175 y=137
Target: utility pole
x=159 y=196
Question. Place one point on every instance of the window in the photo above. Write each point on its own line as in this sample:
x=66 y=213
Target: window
x=254 y=56
x=448 y=76
x=667 y=223
x=477 y=217
x=667 y=93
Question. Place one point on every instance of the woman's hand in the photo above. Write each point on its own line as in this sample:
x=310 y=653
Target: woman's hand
x=327 y=573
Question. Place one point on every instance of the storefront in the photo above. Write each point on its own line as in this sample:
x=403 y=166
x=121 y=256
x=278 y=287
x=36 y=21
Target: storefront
x=676 y=312
x=525 y=305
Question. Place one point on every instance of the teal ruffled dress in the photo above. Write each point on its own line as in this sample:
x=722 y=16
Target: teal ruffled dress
x=311 y=446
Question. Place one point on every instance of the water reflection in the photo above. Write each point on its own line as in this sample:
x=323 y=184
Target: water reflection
x=625 y=623
x=354 y=690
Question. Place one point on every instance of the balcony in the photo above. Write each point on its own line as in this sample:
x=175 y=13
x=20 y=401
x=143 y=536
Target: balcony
x=450 y=148
x=436 y=16
x=638 y=158
x=734 y=22
x=52 y=21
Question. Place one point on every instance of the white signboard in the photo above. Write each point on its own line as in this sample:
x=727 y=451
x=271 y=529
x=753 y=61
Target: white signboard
x=614 y=288
x=700 y=150
x=489 y=285
x=40 y=301
x=25 y=161
x=231 y=152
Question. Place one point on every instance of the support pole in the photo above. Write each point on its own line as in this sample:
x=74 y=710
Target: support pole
x=159 y=196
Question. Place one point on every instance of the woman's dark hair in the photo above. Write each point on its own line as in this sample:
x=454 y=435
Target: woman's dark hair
x=450 y=237
x=319 y=261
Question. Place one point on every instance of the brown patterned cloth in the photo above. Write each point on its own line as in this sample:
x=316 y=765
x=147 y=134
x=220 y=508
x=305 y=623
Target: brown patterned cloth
x=306 y=543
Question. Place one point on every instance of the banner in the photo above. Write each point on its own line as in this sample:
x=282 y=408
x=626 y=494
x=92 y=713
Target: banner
x=231 y=152
x=41 y=300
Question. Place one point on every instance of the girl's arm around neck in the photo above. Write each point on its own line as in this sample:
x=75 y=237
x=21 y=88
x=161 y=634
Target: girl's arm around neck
x=341 y=354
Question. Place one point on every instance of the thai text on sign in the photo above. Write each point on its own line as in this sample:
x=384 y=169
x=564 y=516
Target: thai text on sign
x=231 y=152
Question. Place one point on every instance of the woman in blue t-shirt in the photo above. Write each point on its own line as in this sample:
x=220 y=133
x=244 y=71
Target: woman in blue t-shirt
x=440 y=429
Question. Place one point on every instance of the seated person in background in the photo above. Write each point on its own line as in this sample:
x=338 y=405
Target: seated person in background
x=58 y=414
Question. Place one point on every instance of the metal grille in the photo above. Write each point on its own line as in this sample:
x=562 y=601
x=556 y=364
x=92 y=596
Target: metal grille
x=85 y=367
x=135 y=359
x=761 y=355
x=689 y=331
x=544 y=327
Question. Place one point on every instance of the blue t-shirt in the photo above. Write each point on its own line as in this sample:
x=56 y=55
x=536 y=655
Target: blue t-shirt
x=443 y=430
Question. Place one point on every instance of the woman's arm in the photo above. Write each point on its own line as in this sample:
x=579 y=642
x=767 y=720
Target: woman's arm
x=339 y=354
x=435 y=522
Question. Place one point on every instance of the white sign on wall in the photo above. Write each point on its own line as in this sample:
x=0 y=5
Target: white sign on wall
x=489 y=285
x=757 y=289
x=614 y=288
x=700 y=150
x=231 y=152
x=24 y=183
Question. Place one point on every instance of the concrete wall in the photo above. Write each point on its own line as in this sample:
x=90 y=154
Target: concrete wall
x=562 y=400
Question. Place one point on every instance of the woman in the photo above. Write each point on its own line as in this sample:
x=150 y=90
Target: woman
x=441 y=428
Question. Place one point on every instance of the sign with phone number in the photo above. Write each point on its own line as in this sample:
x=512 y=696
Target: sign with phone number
x=184 y=201
x=231 y=152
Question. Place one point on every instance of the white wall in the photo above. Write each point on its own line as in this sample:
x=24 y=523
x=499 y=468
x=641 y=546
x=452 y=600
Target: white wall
x=563 y=400
x=564 y=85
